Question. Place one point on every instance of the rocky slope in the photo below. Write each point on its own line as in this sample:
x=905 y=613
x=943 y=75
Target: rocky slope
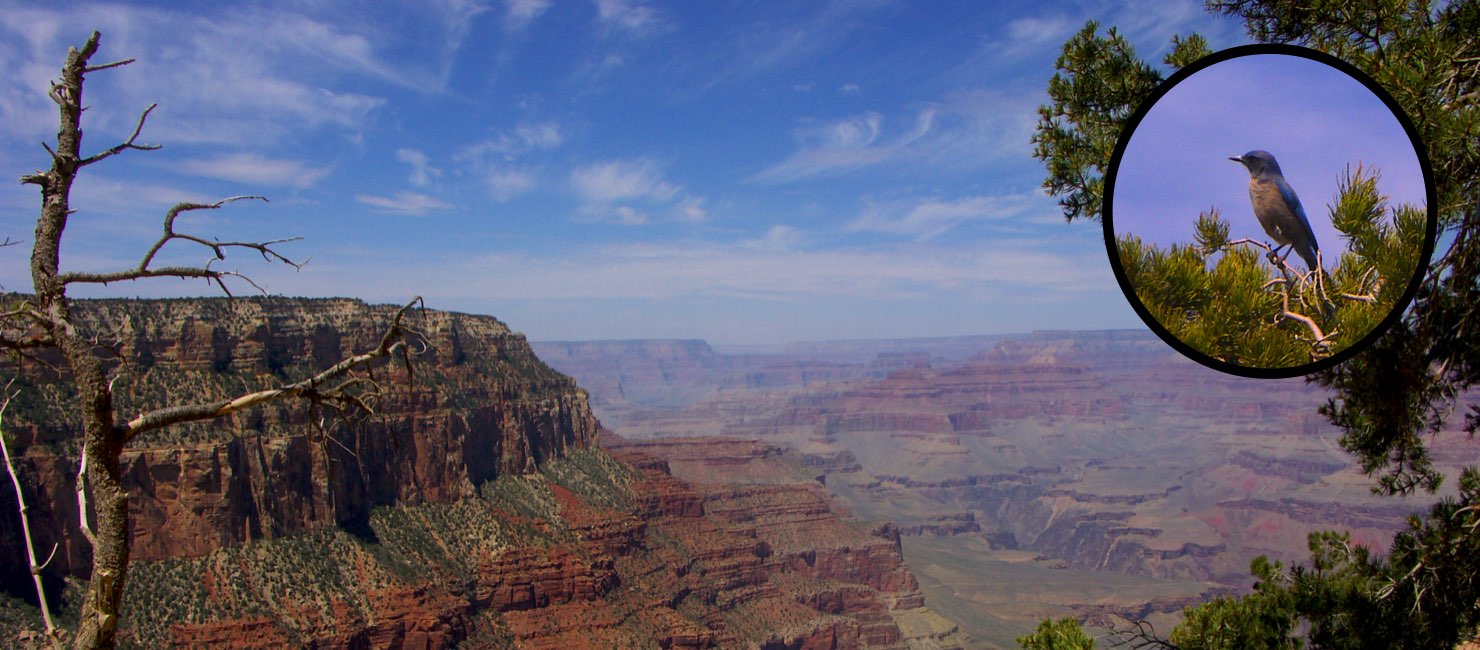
x=1089 y=473
x=475 y=508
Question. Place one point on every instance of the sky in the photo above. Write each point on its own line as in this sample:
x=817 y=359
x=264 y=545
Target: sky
x=1315 y=119
x=745 y=173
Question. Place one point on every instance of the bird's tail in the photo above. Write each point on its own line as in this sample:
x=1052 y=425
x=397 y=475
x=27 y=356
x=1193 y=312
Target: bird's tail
x=1309 y=255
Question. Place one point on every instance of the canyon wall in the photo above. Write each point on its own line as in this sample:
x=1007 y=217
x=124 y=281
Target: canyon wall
x=474 y=508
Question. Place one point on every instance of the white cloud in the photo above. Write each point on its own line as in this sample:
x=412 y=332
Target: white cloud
x=692 y=209
x=845 y=144
x=849 y=89
x=494 y=160
x=622 y=180
x=504 y=184
x=526 y=137
x=243 y=75
x=255 y=169
x=633 y=192
x=520 y=13
x=850 y=133
x=422 y=172
x=408 y=203
x=933 y=217
x=629 y=216
x=1034 y=34
x=106 y=195
x=630 y=17
x=778 y=238
x=964 y=130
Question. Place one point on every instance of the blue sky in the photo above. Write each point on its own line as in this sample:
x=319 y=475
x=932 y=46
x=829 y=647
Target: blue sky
x=1314 y=118
x=739 y=172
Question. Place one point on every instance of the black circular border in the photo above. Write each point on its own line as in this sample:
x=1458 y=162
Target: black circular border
x=1108 y=219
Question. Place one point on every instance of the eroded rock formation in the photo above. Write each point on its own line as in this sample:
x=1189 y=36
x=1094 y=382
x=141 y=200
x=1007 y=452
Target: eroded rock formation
x=473 y=509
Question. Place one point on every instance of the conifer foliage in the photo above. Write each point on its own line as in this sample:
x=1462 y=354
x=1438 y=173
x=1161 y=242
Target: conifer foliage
x=1388 y=400
x=1229 y=301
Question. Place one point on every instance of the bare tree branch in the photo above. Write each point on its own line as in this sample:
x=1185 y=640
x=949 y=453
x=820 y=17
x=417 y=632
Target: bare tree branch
x=20 y=499
x=393 y=342
x=126 y=144
x=218 y=248
x=1140 y=636
x=105 y=66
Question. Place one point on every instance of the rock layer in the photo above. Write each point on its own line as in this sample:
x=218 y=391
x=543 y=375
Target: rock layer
x=474 y=509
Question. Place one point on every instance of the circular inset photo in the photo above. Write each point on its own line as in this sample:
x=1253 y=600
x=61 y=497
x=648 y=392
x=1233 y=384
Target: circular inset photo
x=1269 y=211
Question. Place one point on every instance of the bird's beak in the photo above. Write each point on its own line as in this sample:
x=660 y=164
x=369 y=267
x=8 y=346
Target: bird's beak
x=1237 y=159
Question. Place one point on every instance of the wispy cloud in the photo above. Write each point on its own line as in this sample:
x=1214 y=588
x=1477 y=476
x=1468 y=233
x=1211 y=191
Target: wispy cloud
x=792 y=34
x=422 y=172
x=518 y=14
x=506 y=183
x=1033 y=34
x=255 y=169
x=497 y=160
x=929 y=218
x=846 y=144
x=243 y=76
x=629 y=17
x=964 y=129
x=622 y=180
x=633 y=192
x=526 y=137
x=107 y=195
x=407 y=203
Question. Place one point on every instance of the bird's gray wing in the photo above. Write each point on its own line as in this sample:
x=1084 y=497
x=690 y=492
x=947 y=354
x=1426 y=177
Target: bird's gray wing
x=1293 y=202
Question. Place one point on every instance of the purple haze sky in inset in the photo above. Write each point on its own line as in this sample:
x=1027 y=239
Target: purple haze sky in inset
x=743 y=172
x=1314 y=118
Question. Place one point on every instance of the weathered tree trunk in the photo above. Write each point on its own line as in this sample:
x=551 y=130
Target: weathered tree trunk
x=102 y=443
x=102 y=496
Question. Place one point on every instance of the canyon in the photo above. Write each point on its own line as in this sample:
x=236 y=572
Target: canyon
x=1092 y=474
x=930 y=493
x=481 y=505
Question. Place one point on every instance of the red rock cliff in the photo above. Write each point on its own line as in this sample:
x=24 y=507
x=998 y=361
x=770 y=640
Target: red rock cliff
x=478 y=405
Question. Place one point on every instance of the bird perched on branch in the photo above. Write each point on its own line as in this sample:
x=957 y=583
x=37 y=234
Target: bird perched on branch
x=1278 y=209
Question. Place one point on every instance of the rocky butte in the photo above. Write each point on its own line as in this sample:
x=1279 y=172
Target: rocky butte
x=480 y=506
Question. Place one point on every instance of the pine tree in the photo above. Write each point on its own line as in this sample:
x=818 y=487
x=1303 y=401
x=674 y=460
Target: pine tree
x=1390 y=397
x=1228 y=301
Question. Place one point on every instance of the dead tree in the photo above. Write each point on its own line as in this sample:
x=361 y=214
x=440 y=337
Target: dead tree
x=46 y=321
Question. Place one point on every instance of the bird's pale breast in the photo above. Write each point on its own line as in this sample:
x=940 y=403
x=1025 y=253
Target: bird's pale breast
x=1268 y=207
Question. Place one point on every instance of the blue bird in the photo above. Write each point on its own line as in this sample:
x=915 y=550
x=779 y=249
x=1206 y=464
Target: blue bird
x=1278 y=209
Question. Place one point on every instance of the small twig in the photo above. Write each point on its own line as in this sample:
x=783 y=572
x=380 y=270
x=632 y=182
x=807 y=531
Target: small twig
x=105 y=66
x=126 y=144
x=1247 y=240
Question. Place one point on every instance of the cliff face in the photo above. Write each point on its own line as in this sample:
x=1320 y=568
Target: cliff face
x=479 y=405
x=474 y=508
